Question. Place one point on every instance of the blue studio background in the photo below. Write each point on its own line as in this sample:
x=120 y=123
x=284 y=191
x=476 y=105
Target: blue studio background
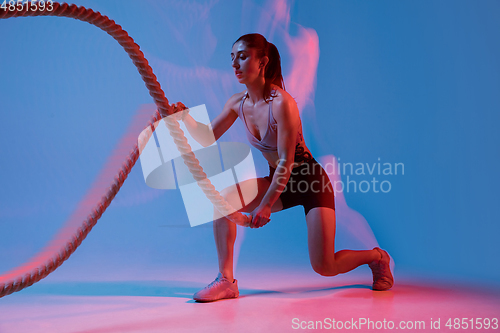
x=413 y=82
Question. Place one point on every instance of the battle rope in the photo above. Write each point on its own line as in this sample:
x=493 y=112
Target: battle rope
x=165 y=109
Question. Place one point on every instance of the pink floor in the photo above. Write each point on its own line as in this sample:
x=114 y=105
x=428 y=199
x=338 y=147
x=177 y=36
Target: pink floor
x=270 y=301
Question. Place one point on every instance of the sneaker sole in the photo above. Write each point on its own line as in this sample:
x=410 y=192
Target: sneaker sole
x=208 y=300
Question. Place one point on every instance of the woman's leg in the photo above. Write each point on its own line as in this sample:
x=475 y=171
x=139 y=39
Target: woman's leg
x=321 y=241
x=225 y=230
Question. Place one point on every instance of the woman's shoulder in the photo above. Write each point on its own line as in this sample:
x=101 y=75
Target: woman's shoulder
x=236 y=98
x=234 y=101
x=283 y=102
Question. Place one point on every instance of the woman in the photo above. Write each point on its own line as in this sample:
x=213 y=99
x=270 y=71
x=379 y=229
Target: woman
x=272 y=122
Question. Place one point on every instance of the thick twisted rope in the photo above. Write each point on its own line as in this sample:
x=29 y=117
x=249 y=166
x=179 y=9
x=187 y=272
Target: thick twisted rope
x=164 y=109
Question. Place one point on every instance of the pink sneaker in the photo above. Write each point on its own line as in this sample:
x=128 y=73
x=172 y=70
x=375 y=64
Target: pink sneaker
x=382 y=276
x=221 y=288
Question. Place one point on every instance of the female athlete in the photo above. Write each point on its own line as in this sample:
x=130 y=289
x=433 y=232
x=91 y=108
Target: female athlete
x=273 y=125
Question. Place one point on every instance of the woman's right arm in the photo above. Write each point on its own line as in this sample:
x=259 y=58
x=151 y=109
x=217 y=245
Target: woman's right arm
x=208 y=134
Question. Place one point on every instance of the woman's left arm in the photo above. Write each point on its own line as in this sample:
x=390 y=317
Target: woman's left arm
x=287 y=116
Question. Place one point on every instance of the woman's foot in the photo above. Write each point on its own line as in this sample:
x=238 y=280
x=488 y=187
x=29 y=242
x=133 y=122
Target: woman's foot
x=382 y=276
x=220 y=288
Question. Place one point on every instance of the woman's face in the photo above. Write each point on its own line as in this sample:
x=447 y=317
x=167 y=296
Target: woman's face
x=245 y=63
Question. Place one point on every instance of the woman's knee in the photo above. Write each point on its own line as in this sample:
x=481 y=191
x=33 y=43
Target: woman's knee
x=232 y=196
x=325 y=268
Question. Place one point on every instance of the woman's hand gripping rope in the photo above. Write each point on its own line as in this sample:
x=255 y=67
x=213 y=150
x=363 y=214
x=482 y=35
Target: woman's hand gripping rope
x=179 y=111
x=260 y=216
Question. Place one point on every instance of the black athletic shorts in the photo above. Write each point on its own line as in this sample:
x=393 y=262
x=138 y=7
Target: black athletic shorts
x=308 y=186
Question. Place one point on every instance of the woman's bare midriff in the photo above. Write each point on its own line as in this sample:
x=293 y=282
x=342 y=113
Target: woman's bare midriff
x=273 y=157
